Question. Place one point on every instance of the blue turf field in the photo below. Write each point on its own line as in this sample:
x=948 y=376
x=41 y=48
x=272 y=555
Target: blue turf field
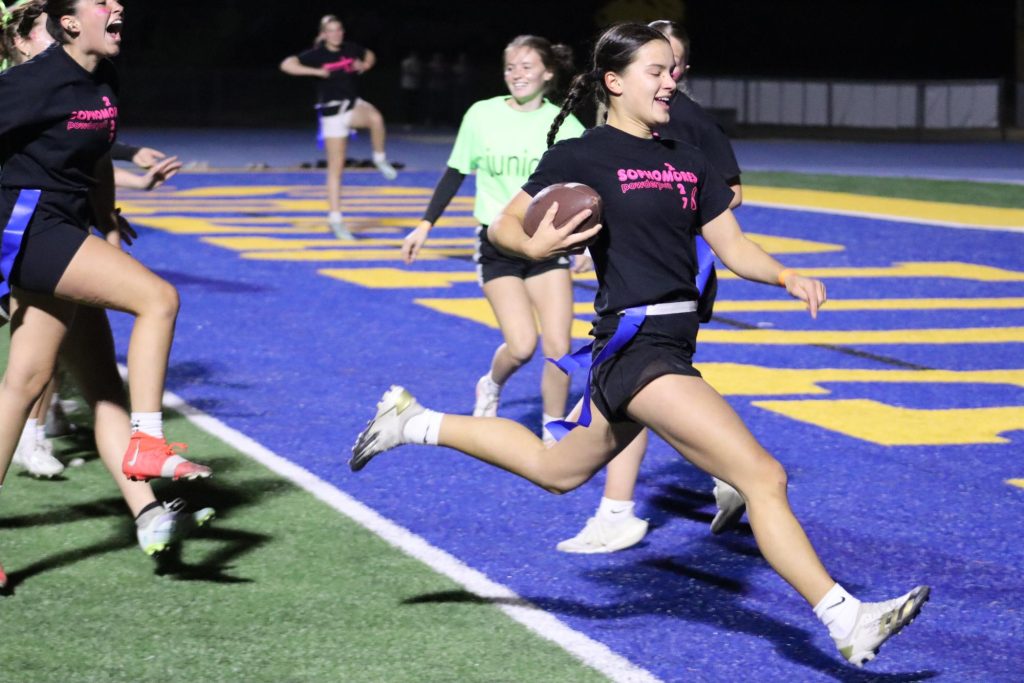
x=296 y=360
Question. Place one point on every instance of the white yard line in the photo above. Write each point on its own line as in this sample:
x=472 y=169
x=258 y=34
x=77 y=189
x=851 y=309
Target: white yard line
x=588 y=651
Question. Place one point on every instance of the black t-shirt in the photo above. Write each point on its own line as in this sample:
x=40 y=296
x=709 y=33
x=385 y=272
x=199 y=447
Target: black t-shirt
x=691 y=124
x=56 y=121
x=657 y=194
x=341 y=84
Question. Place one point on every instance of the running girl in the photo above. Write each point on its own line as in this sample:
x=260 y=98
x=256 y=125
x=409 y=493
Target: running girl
x=646 y=267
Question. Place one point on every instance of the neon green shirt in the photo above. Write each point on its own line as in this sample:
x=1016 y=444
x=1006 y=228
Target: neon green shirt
x=503 y=146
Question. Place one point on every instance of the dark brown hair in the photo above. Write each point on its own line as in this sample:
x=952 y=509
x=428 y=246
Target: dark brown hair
x=556 y=58
x=18 y=23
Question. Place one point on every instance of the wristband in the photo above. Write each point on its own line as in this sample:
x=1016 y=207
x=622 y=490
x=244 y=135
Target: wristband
x=785 y=273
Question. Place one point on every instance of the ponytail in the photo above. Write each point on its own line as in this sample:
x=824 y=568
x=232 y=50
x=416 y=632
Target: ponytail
x=582 y=85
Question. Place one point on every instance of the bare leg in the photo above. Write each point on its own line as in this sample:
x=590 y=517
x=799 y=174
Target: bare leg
x=102 y=275
x=511 y=304
x=551 y=295
x=89 y=355
x=335 y=148
x=624 y=470
x=365 y=115
x=711 y=435
x=37 y=328
x=512 y=447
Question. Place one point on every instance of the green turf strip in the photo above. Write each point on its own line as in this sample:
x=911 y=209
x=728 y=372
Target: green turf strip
x=955 y=191
x=281 y=587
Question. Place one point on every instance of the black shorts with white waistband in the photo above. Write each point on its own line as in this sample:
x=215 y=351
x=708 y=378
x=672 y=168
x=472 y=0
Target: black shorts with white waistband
x=492 y=263
x=664 y=345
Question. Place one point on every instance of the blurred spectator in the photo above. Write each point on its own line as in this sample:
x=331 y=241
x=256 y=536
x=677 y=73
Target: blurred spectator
x=438 y=87
x=410 y=85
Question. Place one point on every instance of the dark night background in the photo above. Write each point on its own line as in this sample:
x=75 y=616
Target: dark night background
x=215 y=61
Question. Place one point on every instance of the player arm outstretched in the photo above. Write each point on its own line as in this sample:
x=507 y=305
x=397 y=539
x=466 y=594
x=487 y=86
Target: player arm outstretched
x=748 y=260
x=506 y=232
x=446 y=189
x=367 y=62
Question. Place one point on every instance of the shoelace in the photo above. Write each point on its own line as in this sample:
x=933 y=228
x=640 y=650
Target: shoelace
x=182 y=447
x=176 y=505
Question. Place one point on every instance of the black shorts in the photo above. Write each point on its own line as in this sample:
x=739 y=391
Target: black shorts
x=492 y=263
x=664 y=345
x=55 y=233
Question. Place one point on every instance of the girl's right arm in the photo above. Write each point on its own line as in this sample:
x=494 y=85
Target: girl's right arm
x=506 y=232
x=293 y=67
x=447 y=186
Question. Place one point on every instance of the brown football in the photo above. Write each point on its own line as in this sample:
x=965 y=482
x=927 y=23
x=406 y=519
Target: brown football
x=572 y=198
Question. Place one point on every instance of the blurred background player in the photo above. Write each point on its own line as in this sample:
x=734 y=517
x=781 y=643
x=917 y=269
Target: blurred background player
x=615 y=525
x=501 y=139
x=338 y=64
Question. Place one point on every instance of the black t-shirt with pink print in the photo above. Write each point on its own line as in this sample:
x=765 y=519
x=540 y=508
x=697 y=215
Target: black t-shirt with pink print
x=341 y=84
x=56 y=121
x=657 y=195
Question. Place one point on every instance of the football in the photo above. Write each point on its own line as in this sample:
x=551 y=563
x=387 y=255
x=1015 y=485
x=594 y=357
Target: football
x=572 y=198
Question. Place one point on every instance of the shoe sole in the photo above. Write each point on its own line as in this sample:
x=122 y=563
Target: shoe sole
x=918 y=602
x=622 y=544
x=187 y=477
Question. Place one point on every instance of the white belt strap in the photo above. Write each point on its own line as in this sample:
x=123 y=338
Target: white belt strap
x=671 y=308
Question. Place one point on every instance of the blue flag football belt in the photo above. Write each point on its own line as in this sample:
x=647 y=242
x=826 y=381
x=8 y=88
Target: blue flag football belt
x=14 y=231
x=630 y=321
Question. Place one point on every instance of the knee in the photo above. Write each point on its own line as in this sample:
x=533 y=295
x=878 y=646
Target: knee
x=767 y=478
x=376 y=120
x=555 y=348
x=563 y=485
x=163 y=300
x=521 y=347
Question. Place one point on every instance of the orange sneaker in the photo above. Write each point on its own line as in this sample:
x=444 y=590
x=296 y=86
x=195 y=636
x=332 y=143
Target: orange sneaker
x=3 y=577
x=149 y=457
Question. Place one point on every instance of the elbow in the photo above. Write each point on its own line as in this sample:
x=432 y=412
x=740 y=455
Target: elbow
x=737 y=196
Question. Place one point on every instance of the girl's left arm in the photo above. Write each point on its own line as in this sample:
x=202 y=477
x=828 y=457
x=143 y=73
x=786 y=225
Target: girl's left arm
x=748 y=260
x=369 y=59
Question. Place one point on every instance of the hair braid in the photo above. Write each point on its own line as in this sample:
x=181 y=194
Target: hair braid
x=581 y=86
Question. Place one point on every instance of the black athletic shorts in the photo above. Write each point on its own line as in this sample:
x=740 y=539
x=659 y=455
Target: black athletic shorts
x=56 y=231
x=492 y=263
x=664 y=345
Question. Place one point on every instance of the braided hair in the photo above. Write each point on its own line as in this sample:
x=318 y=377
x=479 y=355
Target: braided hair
x=614 y=51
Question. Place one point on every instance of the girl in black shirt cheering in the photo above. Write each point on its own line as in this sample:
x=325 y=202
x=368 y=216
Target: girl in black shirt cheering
x=56 y=129
x=658 y=196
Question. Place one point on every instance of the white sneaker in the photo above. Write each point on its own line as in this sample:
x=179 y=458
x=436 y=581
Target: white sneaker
x=601 y=536
x=487 y=395
x=386 y=170
x=384 y=431
x=160 y=528
x=37 y=457
x=879 y=621
x=339 y=229
x=730 y=507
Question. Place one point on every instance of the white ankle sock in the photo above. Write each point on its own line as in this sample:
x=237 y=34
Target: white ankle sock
x=334 y=216
x=490 y=383
x=29 y=430
x=838 y=611
x=380 y=157
x=423 y=428
x=150 y=423
x=615 y=510
x=40 y=433
x=545 y=418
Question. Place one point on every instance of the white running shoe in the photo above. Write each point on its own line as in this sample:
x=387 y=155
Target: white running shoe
x=730 y=507
x=488 y=393
x=338 y=228
x=879 y=621
x=386 y=169
x=384 y=431
x=37 y=457
x=601 y=536
x=160 y=528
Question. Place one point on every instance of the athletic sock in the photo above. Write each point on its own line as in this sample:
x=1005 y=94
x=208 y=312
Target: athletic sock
x=29 y=430
x=380 y=157
x=489 y=382
x=838 y=611
x=424 y=428
x=615 y=510
x=40 y=433
x=150 y=423
x=545 y=418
